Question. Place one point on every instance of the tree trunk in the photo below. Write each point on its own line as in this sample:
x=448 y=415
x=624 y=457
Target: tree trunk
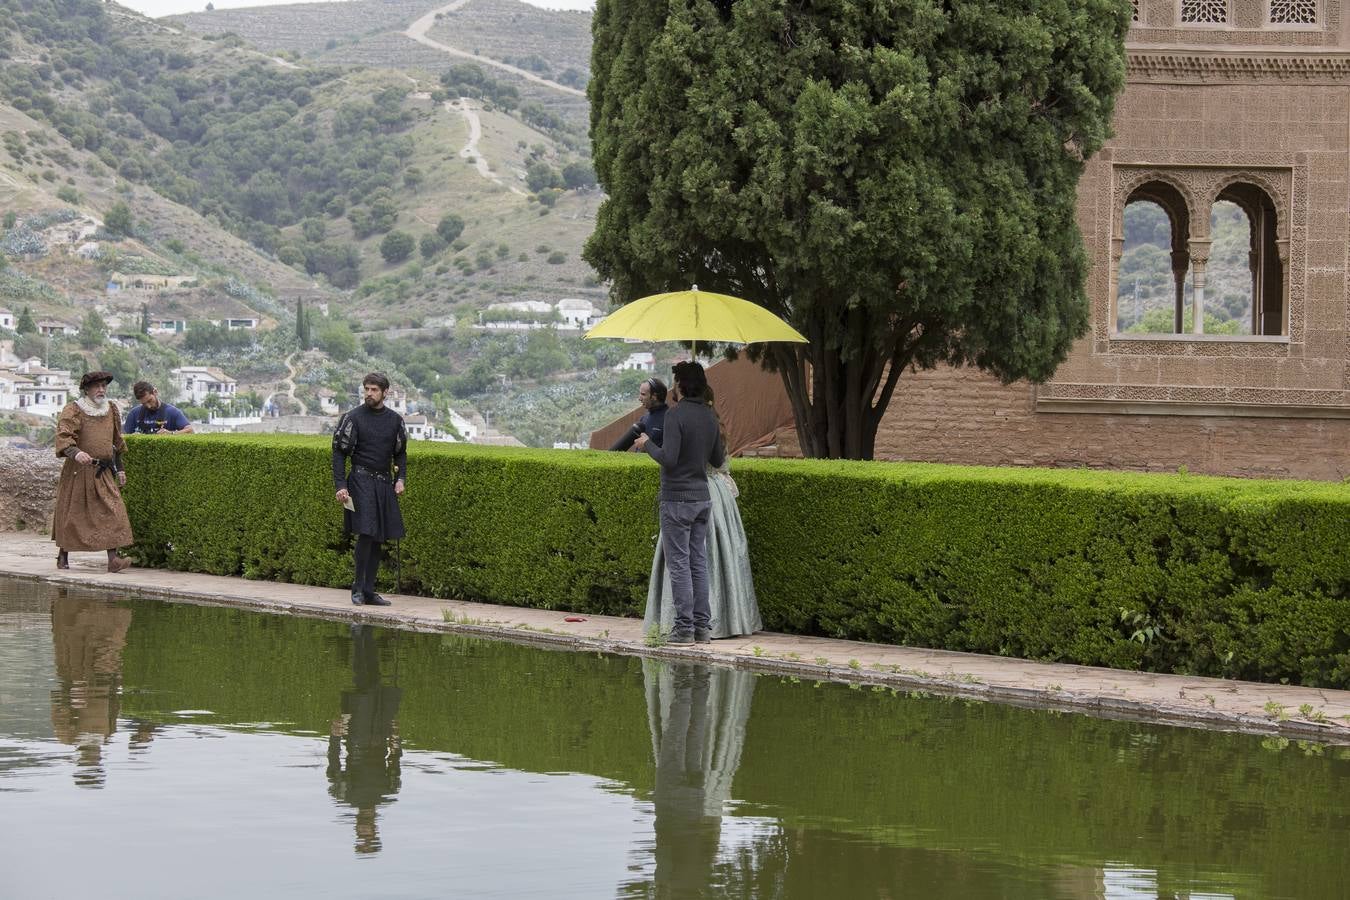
x=839 y=407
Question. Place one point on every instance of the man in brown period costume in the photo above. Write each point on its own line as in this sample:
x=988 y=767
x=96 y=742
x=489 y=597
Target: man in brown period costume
x=90 y=514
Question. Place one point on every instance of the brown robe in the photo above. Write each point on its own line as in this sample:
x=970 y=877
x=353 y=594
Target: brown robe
x=90 y=514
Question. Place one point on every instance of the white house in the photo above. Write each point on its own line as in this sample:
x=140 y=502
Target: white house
x=41 y=375
x=642 y=361
x=328 y=402
x=54 y=327
x=418 y=428
x=577 y=313
x=42 y=400
x=10 y=382
x=236 y=324
x=196 y=383
x=534 y=307
x=35 y=389
x=467 y=430
x=6 y=319
x=167 y=326
x=140 y=281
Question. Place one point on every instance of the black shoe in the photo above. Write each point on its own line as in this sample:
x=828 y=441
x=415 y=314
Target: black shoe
x=703 y=635
x=681 y=638
x=375 y=599
x=358 y=598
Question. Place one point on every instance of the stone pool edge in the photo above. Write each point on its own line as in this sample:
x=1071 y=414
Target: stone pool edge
x=1249 y=707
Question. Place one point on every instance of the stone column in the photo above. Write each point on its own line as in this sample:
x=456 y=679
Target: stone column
x=1181 y=263
x=1113 y=291
x=1199 y=259
x=1254 y=266
x=1282 y=247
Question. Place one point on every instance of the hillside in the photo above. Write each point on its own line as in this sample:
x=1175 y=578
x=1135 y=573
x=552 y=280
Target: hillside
x=544 y=54
x=396 y=199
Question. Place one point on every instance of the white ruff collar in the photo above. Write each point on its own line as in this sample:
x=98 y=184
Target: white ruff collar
x=90 y=408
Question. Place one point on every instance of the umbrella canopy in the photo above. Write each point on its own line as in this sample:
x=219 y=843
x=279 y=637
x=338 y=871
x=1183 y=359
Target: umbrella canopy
x=695 y=315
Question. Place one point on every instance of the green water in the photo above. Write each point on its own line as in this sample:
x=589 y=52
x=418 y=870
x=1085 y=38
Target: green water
x=162 y=750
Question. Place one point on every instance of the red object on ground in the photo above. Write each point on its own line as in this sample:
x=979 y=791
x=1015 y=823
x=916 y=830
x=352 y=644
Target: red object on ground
x=573 y=619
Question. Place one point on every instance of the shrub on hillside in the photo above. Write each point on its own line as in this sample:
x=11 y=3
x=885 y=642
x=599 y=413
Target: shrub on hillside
x=397 y=246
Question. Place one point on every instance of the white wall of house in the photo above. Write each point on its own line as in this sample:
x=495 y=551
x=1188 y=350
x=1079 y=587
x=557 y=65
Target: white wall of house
x=641 y=362
x=195 y=384
x=42 y=400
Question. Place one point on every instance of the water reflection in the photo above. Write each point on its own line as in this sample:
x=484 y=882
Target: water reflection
x=548 y=773
x=368 y=731
x=697 y=717
x=89 y=637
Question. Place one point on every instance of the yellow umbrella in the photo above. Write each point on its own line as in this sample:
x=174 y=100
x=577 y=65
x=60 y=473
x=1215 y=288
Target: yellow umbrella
x=695 y=315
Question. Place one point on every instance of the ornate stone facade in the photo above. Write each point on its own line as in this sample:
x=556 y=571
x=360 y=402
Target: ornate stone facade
x=1246 y=101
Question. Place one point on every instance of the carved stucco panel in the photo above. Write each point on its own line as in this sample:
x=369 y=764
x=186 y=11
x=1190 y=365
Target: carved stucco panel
x=1194 y=394
x=1208 y=349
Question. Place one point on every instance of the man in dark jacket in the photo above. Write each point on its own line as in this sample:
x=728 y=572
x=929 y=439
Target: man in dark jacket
x=692 y=443
x=374 y=436
x=652 y=396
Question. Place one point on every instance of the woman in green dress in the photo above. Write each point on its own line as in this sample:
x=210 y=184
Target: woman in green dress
x=735 y=610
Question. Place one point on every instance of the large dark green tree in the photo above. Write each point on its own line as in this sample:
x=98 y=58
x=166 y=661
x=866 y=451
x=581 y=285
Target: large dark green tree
x=896 y=179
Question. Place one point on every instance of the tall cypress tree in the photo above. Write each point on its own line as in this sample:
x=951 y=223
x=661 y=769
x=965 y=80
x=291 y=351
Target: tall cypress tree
x=301 y=323
x=897 y=180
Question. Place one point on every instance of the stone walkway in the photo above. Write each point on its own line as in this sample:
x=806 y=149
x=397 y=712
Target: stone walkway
x=1295 y=712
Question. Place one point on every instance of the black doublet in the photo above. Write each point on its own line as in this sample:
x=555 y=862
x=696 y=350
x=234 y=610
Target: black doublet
x=376 y=441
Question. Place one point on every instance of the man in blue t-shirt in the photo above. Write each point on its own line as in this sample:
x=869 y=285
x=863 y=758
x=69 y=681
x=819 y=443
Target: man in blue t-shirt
x=652 y=396
x=152 y=416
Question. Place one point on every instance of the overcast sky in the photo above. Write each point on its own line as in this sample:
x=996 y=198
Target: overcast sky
x=171 y=7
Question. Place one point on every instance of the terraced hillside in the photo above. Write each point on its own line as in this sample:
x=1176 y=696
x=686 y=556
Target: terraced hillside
x=553 y=44
x=307 y=28
x=499 y=34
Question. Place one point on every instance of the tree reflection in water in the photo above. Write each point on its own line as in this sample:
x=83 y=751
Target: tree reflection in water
x=368 y=728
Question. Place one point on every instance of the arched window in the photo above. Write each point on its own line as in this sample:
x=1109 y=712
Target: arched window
x=1228 y=300
x=1258 y=246
x=1150 y=286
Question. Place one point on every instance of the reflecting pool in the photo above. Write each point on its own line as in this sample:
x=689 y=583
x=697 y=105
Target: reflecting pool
x=151 y=749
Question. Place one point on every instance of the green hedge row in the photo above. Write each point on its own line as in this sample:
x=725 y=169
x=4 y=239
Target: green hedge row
x=1186 y=574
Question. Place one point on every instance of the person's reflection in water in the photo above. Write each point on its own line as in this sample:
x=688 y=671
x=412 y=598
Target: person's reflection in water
x=88 y=636
x=369 y=729
x=697 y=716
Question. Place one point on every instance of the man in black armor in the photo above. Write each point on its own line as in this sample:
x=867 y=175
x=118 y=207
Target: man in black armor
x=374 y=437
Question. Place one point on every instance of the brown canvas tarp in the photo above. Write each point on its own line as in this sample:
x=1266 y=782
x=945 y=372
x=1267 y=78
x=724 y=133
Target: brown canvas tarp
x=751 y=402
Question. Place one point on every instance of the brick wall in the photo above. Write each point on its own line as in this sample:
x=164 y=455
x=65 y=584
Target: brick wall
x=961 y=416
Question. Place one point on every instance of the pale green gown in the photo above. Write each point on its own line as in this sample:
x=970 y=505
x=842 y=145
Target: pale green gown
x=731 y=589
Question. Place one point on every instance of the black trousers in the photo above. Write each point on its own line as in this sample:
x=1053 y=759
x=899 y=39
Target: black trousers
x=367 y=564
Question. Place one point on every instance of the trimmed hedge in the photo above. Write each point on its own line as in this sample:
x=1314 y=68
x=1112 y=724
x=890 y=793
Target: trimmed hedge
x=1187 y=574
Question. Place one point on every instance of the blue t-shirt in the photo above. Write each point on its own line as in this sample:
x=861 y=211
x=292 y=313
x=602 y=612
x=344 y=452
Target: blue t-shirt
x=142 y=421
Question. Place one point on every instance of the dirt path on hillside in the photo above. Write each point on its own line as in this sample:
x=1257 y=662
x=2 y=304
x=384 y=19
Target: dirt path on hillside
x=464 y=106
x=289 y=385
x=418 y=32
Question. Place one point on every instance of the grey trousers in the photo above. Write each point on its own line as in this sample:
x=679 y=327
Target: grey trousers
x=684 y=540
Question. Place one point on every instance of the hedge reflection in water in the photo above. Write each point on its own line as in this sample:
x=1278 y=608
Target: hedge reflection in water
x=757 y=787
